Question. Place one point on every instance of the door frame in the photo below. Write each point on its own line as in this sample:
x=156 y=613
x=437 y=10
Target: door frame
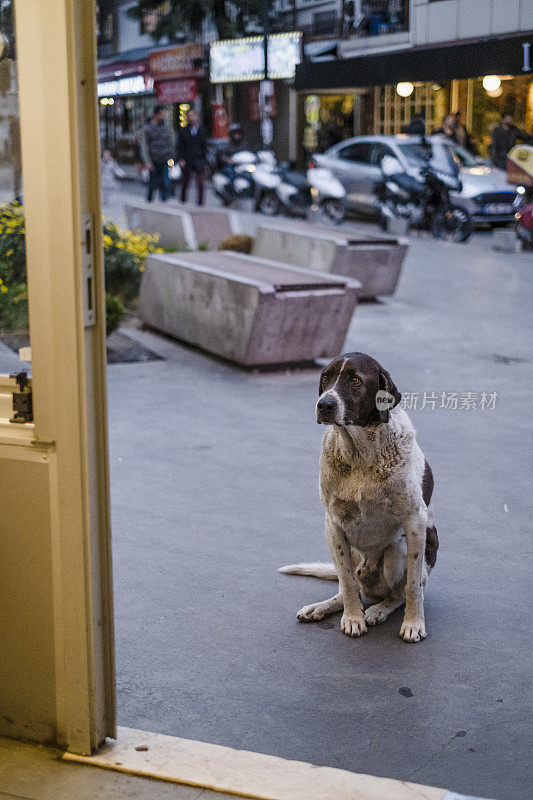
x=56 y=57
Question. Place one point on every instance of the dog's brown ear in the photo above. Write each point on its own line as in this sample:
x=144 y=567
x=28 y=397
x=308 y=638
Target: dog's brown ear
x=387 y=384
x=322 y=382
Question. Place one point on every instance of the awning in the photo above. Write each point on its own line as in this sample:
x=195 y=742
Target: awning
x=510 y=55
x=321 y=51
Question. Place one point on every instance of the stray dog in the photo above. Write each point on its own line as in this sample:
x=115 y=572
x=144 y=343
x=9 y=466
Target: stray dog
x=376 y=487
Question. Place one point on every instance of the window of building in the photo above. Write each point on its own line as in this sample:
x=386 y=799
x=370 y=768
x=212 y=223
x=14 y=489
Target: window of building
x=324 y=23
x=150 y=19
x=376 y=17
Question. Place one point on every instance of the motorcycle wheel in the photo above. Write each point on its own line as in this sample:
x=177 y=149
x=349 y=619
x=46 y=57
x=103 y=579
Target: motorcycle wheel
x=454 y=225
x=268 y=204
x=333 y=210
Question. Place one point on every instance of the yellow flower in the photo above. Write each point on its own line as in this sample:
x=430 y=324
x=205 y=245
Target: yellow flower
x=9 y=252
x=3 y=289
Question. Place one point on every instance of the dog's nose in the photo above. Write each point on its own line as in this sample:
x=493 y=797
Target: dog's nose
x=326 y=406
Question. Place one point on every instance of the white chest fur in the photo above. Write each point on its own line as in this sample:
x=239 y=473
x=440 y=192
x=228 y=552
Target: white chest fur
x=364 y=474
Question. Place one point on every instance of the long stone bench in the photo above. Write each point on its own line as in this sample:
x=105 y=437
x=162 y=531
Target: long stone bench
x=375 y=262
x=245 y=309
x=183 y=228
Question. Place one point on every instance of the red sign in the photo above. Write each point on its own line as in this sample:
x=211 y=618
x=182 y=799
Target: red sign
x=176 y=62
x=184 y=90
x=220 y=121
x=254 y=107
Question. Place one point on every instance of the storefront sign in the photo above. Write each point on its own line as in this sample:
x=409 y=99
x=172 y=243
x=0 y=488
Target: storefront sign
x=233 y=60
x=504 y=55
x=177 y=62
x=121 y=69
x=136 y=84
x=183 y=90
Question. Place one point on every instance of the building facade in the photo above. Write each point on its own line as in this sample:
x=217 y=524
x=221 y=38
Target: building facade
x=135 y=73
x=438 y=50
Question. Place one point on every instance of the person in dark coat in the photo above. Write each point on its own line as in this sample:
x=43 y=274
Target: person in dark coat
x=447 y=128
x=504 y=137
x=463 y=136
x=192 y=148
x=157 y=145
x=417 y=125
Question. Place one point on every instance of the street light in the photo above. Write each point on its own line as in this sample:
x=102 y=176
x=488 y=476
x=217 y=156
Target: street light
x=404 y=88
x=491 y=83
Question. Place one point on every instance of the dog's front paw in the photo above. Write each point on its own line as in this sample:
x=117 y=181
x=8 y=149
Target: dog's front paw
x=413 y=630
x=352 y=625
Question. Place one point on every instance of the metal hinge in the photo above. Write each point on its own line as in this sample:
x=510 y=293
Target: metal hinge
x=23 y=399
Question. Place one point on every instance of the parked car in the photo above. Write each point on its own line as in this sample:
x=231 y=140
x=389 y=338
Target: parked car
x=356 y=163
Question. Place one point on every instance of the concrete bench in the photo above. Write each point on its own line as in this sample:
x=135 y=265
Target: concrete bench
x=245 y=309
x=183 y=228
x=375 y=262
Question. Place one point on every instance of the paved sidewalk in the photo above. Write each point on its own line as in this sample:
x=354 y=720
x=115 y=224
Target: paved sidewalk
x=32 y=772
x=214 y=485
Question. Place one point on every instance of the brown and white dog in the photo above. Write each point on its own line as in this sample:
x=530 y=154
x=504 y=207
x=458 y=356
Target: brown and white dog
x=376 y=487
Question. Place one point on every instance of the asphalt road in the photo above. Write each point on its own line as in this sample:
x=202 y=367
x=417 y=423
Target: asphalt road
x=214 y=485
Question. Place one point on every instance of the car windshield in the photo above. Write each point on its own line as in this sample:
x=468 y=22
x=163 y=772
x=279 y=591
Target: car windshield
x=417 y=153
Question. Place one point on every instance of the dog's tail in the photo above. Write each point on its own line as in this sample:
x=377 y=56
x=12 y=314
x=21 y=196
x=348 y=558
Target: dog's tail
x=315 y=569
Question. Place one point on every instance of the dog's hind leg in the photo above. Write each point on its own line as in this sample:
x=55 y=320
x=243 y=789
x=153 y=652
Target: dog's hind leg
x=316 y=611
x=380 y=611
x=393 y=573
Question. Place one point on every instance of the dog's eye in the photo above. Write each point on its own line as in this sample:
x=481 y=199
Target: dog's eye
x=356 y=380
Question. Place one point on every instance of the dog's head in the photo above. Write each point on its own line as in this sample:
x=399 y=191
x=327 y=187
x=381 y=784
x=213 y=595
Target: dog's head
x=355 y=390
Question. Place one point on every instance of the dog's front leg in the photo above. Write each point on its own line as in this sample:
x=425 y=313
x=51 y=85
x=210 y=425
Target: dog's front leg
x=353 y=621
x=413 y=627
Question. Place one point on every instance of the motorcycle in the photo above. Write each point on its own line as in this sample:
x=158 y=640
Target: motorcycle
x=424 y=200
x=282 y=188
x=519 y=169
x=235 y=182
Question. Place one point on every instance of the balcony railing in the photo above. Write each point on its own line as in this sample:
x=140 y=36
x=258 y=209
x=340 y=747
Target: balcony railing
x=361 y=18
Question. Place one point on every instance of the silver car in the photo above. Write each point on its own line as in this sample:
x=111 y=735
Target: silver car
x=356 y=162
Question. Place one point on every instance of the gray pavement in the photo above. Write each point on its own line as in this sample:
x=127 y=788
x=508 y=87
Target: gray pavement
x=214 y=485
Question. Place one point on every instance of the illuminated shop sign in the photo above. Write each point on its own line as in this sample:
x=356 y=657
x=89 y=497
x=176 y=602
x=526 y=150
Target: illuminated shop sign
x=233 y=60
x=137 y=84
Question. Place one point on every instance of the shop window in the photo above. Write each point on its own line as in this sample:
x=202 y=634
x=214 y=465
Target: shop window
x=392 y=112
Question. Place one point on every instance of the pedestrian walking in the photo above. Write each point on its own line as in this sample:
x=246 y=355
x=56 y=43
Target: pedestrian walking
x=461 y=135
x=447 y=128
x=157 y=147
x=504 y=137
x=192 y=148
x=417 y=125
x=109 y=169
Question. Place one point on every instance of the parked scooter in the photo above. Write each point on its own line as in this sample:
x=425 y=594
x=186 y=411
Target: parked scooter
x=235 y=181
x=282 y=188
x=520 y=173
x=424 y=200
